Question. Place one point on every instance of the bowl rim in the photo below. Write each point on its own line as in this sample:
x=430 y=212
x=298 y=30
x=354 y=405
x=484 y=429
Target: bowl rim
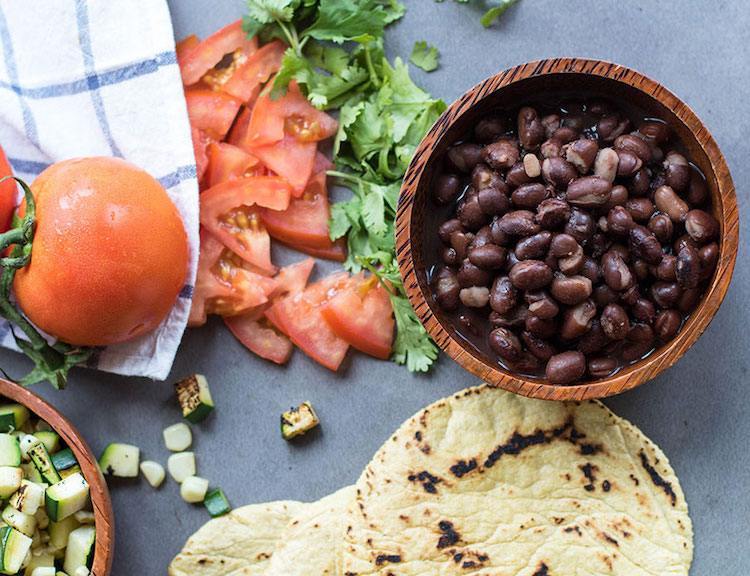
x=630 y=376
x=100 y=499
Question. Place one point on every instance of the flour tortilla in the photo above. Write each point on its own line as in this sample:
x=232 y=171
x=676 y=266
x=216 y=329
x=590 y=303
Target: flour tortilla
x=238 y=544
x=489 y=483
x=308 y=545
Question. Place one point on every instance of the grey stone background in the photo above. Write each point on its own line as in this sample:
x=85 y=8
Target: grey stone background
x=697 y=411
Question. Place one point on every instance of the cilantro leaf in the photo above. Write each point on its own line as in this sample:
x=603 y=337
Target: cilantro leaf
x=268 y=11
x=424 y=56
x=494 y=13
x=346 y=20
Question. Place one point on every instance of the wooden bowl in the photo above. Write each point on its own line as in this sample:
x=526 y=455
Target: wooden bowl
x=103 y=515
x=511 y=89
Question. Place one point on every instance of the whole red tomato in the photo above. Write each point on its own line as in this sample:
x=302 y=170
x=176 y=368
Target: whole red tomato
x=110 y=253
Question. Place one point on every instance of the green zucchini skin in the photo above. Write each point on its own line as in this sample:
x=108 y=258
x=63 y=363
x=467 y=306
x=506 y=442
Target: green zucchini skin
x=216 y=503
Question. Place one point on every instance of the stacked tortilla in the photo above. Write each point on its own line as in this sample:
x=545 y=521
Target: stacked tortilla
x=481 y=483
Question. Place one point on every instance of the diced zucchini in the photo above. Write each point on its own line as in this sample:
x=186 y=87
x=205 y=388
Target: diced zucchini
x=80 y=550
x=59 y=532
x=64 y=459
x=120 y=460
x=41 y=459
x=10 y=451
x=153 y=472
x=24 y=523
x=193 y=489
x=42 y=570
x=40 y=561
x=13 y=549
x=50 y=439
x=178 y=437
x=42 y=520
x=70 y=471
x=216 y=503
x=298 y=420
x=13 y=417
x=181 y=466
x=194 y=398
x=67 y=497
x=28 y=498
x=26 y=442
x=31 y=473
x=10 y=480
x=85 y=517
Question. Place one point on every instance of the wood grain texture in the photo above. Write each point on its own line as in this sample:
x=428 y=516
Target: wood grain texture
x=511 y=89
x=104 y=517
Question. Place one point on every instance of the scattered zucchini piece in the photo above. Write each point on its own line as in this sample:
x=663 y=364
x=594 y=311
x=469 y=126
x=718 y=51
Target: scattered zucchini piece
x=40 y=570
x=181 y=466
x=70 y=471
x=41 y=459
x=120 y=460
x=216 y=503
x=67 y=497
x=10 y=480
x=10 y=450
x=13 y=416
x=59 y=532
x=193 y=489
x=178 y=437
x=50 y=439
x=298 y=421
x=28 y=498
x=26 y=443
x=13 y=549
x=64 y=459
x=80 y=551
x=24 y=523
x=153 y=472
x=194 y=397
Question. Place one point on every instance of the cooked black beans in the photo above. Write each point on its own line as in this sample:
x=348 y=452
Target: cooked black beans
x=584 y=243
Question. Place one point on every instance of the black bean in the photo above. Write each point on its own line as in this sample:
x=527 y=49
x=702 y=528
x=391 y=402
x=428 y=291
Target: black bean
x=631 y=295
x=589 y=192
x=640 y=332
x=640 y=209
x=640 y=183
x=667 y=201
x=483 y=177
x=709 y=255
x=667 y=268
x=633 y=351
x=667 y=324
x=533 y=247
x=572 y=264
x=449 y=256
x=551 y=122
x=529 y=196
x=591 y=269
x=611 y=127
x=540 y=348
x=499 y=237
x=570 y=290
x=532 y=166
x=563 y=245
x=684 y=240
x=530 y=275
x=505 y=344
x=541 y=327
x=641 y=269
x=449 y=227
x=661 y=226
x=644 y=244
x=501 y=154
x=471 y=275
x=465 y=157
x=617 y=197
x=503 y=296
x=643 y=311
x=619 y=221
x=519 y=223
x=616 y=273
x=552 y=213
x=482 y=237
x=602 y=366
x=593 y=340
x=577 y=320
x=446 y=289
x=558 y=172
x=634 y=144
x=513 y=319
x=470 y=213
x=582 y=154
x=517 y=175
x=489 y=129
x=566 y=133
x=676 y=171
x=551 y=148
x=697 y=189
x=566 y=367
x=615 y=322
x=541 y=305
x=688 y=300
x=603 y=295
x=628 y=163
x=701 y=226
x=487 y=256
x=665 y=294
x=493 y=201
x=531 y=131
x=447 y=188
x=688 y=269
x=654 y=131
x=580 y=226
x=460 y=242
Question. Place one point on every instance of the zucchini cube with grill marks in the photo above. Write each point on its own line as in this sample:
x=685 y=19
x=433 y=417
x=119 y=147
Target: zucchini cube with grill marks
x=194 y=397
x=298 y=421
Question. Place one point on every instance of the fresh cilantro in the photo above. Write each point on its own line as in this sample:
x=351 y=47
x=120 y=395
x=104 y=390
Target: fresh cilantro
x=492 y=13
x=424 y=56
x=336 y=56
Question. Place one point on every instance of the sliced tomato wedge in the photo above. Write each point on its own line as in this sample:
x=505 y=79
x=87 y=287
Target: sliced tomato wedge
x=200 y=145
x=208 y=53
x=336 y=251
x=211 y=111
x=299 y=317
x=223 y=285
x=291 y=115
x=290 y=159
x=184 y=47
x=8 y=194
x=362 y=315
x=247 y=79
x=305 y=221
x=227 y=162
x=260 y=337
x=237 y=135
x=292 y=279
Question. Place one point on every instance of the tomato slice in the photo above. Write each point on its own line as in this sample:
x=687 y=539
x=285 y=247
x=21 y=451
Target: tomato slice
x=227 y=162
x=291 y=115
x=210 y=111
x=184 y=47
x=200 y=145
x=363 y=316
x=257 y=335
x=290 y=159
x=305 y=221
x=247 y=79
x=300 y=318
x=336 y=251
x=208 y=53
x=8 y=194
x=292 y=279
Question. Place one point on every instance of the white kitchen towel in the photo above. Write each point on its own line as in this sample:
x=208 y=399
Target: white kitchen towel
x=100 y=78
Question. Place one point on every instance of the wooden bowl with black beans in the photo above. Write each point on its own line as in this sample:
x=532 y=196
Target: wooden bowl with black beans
x=567 y=229
x=83 y=520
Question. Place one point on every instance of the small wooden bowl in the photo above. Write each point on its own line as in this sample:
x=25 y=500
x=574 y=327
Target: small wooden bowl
x=511 y=89
x=103 y=515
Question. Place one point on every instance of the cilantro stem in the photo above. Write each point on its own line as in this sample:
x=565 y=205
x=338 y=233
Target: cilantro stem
x=374 y=78
x=291 y=37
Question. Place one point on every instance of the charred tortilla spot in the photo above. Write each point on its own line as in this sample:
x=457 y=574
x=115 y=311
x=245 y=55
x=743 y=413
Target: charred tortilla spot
x=426 y=479
x=457 y=557
x=656 y=478
x=387 y=558
x=462 y=467
x=569 y=529
x=418 y=435
x=448 y=536
x=609 y=539
x=542 y=570
x=588 y=471
x=606 y=486
x=635 y=479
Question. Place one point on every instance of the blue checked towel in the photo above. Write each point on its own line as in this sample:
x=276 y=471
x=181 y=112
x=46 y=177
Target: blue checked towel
x=93 y=78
